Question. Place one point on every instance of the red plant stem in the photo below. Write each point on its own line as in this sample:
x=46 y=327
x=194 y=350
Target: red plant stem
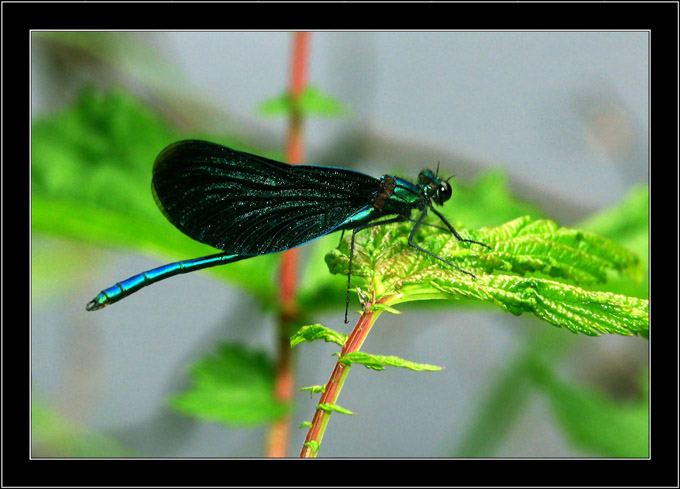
x=337 y=378
x=279 y=435
x=298 y=83
x=295 y=156
x=279 y=432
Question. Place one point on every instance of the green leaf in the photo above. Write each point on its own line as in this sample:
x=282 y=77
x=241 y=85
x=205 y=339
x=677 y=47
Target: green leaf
x=522 y=246
x=313 y=445
x=628 y=224
x=379 y=362
x=99 y=150
x=316 y=332
x=579 y=310
x=386 y=308
x=314 y=389
x=330 y=407
x=312 y=102
x=578 y=256
x=234 y=386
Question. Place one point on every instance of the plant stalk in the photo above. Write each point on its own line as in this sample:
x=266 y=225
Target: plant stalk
x=337 y=379
x=279 y=434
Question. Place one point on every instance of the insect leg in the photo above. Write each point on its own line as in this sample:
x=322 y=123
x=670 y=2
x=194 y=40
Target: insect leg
x=411 y=243
x=342 y=235
x=453 y=230
x=429 y=225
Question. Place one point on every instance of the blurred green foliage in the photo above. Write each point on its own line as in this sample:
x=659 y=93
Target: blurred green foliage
x=313 y=102
x=627 y=223
x=54 y=435
x=233 y=386
x=591 y=420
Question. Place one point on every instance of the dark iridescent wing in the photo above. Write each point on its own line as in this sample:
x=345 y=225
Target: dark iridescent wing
x=250 y=205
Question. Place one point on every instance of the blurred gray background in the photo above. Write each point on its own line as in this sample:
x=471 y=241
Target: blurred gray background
x=565 y=114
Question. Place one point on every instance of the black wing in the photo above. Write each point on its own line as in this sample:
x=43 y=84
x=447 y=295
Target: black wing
x=250 y=205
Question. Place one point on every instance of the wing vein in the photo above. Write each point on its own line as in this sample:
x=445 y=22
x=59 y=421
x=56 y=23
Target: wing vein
x=247 y=204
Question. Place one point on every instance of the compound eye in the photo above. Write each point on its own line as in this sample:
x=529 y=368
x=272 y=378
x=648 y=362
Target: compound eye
x=443 y=192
